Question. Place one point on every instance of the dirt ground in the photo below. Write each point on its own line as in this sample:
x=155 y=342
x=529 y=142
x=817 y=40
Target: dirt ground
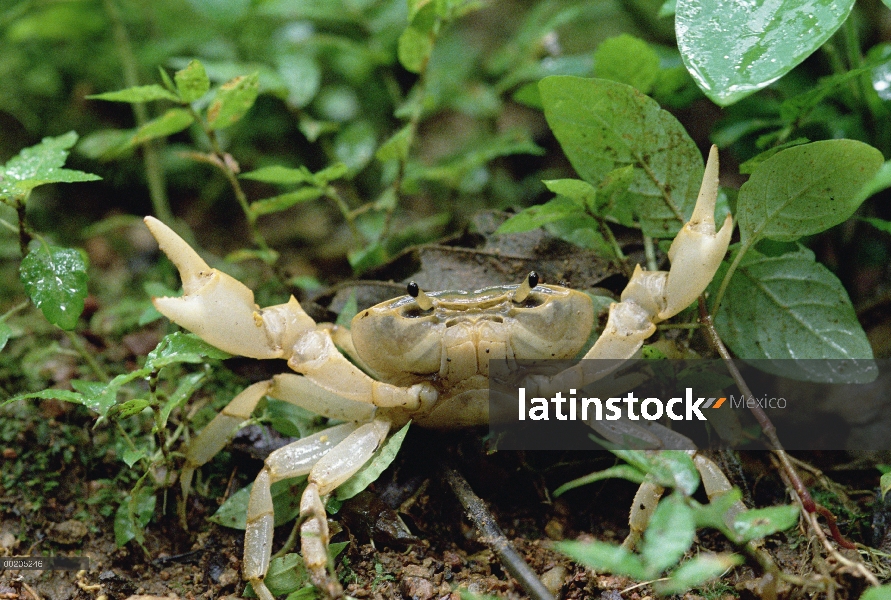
x=439 y=557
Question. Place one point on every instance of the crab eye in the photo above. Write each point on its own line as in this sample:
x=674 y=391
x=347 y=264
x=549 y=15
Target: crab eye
x=423 y=300
x=524 y=289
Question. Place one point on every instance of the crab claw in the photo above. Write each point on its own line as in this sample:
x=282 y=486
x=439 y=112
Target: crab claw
x=220 y=309
x=698 y=250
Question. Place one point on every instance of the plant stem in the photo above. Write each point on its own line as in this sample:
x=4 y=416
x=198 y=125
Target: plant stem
x=650 y=253
x=153 y=171
x=716 y=303
x=98 y=370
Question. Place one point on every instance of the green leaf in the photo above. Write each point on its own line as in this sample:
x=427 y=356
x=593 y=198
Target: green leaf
x=603 y=125
x=809 y=311
x=759 y=523
x=38 y=165
x=883 y=592
x=5 y=334
x=280 y=175
x=182 y=347
x=285 y=504
x=618 y=472
x=132 y=456
x=287 y=574
x=192 y=82
x=885 y=483
x=396 y=148
x=734 y=49
x=697 y=571
x=715 y=513
x=56 y=280
x=669 y=468
x=133 y=95
x=415 y=46
x=354 y=145
x=881 y=181
x=184 y=390
x=374 y=467
x=669 y=534
x=133 y=515
x=805 y=189
x=604 y=557
x=580 y=191
x=533 y=217
x=48 y=394
x=285 y=201
x=233 y=100
x=627 y=59
x=172 y=121
x=302 y=76
x=129 y=408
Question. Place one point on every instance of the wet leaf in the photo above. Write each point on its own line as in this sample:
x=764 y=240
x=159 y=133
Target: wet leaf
x=809 y=311
x=885 y=483
x=192 y=82
x=373 y=468
x=733 y=49
x=805 y=189
x=50 y=394
x=182 y=347
x=38 y=165
x=142 y=93
x=233 y=100
x=603 y=126
x=56 y=280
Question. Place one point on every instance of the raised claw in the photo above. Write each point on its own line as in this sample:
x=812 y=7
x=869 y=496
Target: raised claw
x=698 y=250
x=221 y=309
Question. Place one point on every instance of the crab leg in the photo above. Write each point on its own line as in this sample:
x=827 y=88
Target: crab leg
x=221 y=310
x=288 y=387
x=330 y=457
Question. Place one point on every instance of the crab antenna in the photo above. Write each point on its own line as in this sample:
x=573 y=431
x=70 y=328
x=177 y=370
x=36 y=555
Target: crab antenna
x=423 y=300
x=524 y=289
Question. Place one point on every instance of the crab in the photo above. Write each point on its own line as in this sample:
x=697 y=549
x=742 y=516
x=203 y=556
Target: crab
x=421 y=357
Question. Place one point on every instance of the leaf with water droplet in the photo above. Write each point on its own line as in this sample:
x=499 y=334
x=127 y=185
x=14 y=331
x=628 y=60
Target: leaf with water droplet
x=56 y=280
x=38 y=165
x=733 y=49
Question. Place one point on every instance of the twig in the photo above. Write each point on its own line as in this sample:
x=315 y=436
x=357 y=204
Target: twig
x=493 y=537
x=807 y=502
